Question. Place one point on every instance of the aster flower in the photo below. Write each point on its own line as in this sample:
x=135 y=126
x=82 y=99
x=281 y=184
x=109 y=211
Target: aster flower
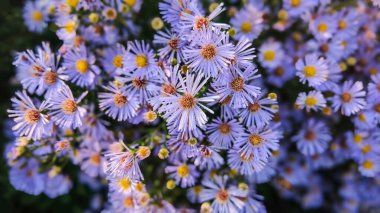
x=172 y=45
x=374 y=87
x=197 y=21
x=313 y=100
x=117 y=103
x=281 y=74
x=142 y=58
x=184 y=111
x=64 y=109
x=56 y=184
x=29 y=120
x=245 y=164
x=67 y=27
x=171 y=11
x=27 y=178
x=35 y=16
x=112 y=60
x=259 y=142
x=259 y=112
x=323 y=27
x=244 y=53
x=312 y=70
x=248 y=22
x=313 y=138
x=222 y=132
x=184 y=145
x=80 y=67
x=349 y=98
x=183 y=174
x=369 y=167
x=224 y=199
x=295 y=8
x=208 y=158
x=236 y=84
x=271 y=54
x=209 y=52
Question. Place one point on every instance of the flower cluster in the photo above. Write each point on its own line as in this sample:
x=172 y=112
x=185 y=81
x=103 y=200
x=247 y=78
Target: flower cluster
x=197 y=108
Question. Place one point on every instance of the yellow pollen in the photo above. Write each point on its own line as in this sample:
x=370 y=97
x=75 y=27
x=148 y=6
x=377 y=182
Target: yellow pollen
x=82 y=66
x=269 y=55
x=143 y=152
x=368 y=165
x=358 y=138
x=200 y=22
x=237 y=84
x=141 y=61
x=362 y=117
x=344 y=44
x=31 y=116
x=345 y=97
x=128 y=202
x=255 y=139
x=309 y=71
x=197 y=189
x=72 y=3
x=125 y=183
x=70 y=26
x=139 y=186
x=311 y=101
x=342 y=24
x=69 y=106
x=322 y=27
x=366 y=149
x=119 y=100
x=51 y=77
x=254 y=107
x=295 y=3
x=187 y=101
x=37 y=16
x=208 y=51
x=95 y=159
x=118 y=61
x=150 y=116
x=224 y=128
x=372 y=71
x=183 y=171
x=222 y=196
x=246 y=27
x=130 y=3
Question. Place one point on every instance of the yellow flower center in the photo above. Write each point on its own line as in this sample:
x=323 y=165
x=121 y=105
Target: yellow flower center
x=197 y=189
x=255 y=139
x=362 y=117
x=119 y=100
x=141 y=61
x=366 y=149
x=200 y=22
x=72 y=3
x=342 y=24
x=31 y=116
x=208 y=51
x=322 y=27
x=69 y=106
x=125 y=183
x=183 y=171
x=237 y=84
x=309 y=71
x=37 y=16
x=128 y=202
x=372 y=71
x=358 y=138
x=311 y=101
x=51 y=77
x=82 y=66
x=130 y=3
x=118 y=61
x=246 y=27
x=224 y=128
x=95 y=159
x=269 y=55
x=345 y=97
x=150 y=116
x=367 y=164
x=70 y=26
x=295 y=3
x=187 y=101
